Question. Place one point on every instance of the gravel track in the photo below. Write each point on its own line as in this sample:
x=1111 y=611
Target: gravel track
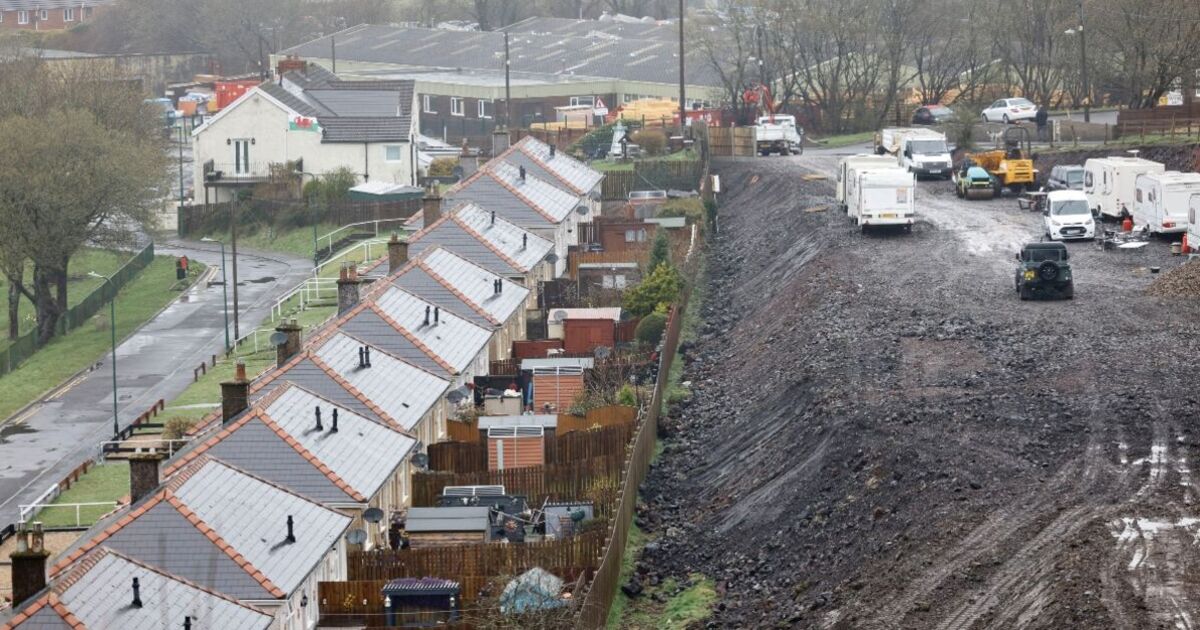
x=882 y=436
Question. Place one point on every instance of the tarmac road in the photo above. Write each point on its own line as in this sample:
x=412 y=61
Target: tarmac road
x=43 y=444
x=882 y=436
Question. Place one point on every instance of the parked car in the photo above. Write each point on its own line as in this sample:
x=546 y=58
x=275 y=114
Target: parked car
x=1065 y=215
x=1007 y=110
x=1043 y=270
x=932 y=115
x=1065 y=177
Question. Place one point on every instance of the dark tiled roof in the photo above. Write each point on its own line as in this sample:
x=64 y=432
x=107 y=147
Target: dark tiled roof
x=346 y=129
x=371 y=112
x=30 y=5
x=421 y=586
x=624 y=29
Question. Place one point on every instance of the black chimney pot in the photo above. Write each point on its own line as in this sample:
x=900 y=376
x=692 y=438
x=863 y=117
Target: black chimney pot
x=361 y=362
x=291 y=535
x=426 y=315
x=521 y=172
x=524 y=241
x=494 y=213
x=137 y=594
x=187 y=622
x=552 y=150
x=437 y=314
x=334 y=429
x=367 y=355
x=318 y=413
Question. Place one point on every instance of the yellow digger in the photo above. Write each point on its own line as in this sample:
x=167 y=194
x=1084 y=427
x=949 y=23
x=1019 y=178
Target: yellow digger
x=1012 y=166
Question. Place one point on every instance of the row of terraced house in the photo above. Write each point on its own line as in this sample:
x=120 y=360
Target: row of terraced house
x=315 y=457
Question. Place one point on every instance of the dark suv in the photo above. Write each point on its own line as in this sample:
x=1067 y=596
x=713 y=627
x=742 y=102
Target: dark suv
x=1043 y=270
x=1065 y=177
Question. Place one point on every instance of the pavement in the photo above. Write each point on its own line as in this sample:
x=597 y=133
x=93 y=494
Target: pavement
x=43 y=444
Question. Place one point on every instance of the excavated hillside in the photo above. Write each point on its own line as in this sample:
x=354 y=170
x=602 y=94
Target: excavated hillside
x=881 y=435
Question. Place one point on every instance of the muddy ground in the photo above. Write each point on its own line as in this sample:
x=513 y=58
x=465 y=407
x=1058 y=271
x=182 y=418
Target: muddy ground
x=883 y=436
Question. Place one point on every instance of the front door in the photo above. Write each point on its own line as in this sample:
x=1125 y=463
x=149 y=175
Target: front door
x=241 y=157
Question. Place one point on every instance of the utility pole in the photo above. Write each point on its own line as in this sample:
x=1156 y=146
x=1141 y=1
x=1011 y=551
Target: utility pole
x=1087 y=89
x=682 y=102
x=507 y=87
x=233 y=231
x=182 y=125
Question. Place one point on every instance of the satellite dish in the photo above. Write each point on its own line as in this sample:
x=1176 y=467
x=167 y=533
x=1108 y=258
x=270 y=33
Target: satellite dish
x=278 y=338
x=456 y=396
x=421 y=461
x=373 y=515
x=551 y=258
x=457 y=171
x=581 y=209
x=602 y=352
x=356 y=536
x=558 y=316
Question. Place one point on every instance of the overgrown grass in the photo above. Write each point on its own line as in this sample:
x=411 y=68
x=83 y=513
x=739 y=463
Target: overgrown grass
x=691 y=328
x=837 y=142
x=79 y=283
x=138 y=301
x=609 y=166
x=107 y=482
x=682 y=608
x=295 y=241
x=633 y=546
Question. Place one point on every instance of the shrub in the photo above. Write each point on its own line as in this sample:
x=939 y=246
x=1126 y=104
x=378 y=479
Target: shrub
x=660 y=251
x=442 y=167
x=661 y=287
x=650 y=330
x=652 y=141
x=627 y=396
x=177 y=427
x=332 y=186
x=691 y=208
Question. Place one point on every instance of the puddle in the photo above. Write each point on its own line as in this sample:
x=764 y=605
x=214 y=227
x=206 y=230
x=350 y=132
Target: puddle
x=10 y=430
x=262 y=280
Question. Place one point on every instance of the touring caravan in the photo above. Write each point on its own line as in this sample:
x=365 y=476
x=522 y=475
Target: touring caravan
x=856 y=163
x=1161 y=201
x=1110 y=183
x=1193 y=226
x=881 y=197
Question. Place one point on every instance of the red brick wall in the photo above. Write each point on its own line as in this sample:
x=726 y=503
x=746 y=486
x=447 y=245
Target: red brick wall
x=55 y=19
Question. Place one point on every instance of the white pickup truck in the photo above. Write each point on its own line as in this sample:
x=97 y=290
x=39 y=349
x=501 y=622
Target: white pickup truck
x=778 y=134
x=923 y=152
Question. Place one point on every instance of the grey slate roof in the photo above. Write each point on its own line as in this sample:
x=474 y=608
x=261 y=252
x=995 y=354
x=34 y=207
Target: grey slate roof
x=453 y=338
x=44 y=619
x=419 y=282
x=530 y=53
x=308 y=375
x=559 y=168
x=474 y=283
x=606 y=25
x=349 y=113
x=532 y=203
x=447 y=519
x=99 y=590
x=496 y=246
x=402 y=391
x=177 y=529
x=370 y=328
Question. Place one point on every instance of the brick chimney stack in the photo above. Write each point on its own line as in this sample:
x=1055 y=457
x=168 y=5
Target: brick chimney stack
x=397 y=253
x=143 y=475
x=500 y=141
x=431 y=206
x=468 y=160
x=235 y=394
x=347 y=285
x=291 y=345
x=28 y=564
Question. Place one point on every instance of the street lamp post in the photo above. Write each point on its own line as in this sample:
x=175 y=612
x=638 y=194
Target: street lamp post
x=112 y=326
x=182 y=124
x=312 y=208
x=224 y=288
x=1083 y=65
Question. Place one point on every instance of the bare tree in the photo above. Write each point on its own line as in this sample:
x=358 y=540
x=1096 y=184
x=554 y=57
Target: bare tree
x=1145 y=46
x=728 y=51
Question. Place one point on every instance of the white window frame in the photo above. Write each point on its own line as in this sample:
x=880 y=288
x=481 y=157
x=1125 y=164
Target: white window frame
x=22 y=17
x=576 y=101
x=43 y=15
x=241 y=156
x=69 y=14
x=87 y=13
x=427 y=104
x=399 y=152
x=482 y=107
x=457 y=107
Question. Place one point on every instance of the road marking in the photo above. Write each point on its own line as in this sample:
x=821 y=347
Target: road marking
x=60 y=392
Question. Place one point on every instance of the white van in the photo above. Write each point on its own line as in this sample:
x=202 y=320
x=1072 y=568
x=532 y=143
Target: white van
x=856 y=163
x=881 y=197
x=1110 y=183
x=921 y=151
x=1161 y=201
x=1193 y=227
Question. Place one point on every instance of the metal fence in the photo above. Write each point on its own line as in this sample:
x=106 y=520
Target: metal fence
x=26 y=345
x=278 y=214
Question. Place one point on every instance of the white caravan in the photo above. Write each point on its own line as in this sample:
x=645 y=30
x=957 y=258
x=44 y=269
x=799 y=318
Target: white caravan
x=1161 y=201
x=1110 y=183
x=881 y=197
x=1193 y=226
x=854 y=163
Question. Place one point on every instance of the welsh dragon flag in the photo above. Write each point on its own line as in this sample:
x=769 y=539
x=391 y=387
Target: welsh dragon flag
x=303 y=123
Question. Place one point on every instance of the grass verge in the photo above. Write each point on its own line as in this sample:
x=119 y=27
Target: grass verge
x=104 y=483
x=79 y=283
x=139 y=300
x=836 y=142
x=296 y=241
x=610 y=166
